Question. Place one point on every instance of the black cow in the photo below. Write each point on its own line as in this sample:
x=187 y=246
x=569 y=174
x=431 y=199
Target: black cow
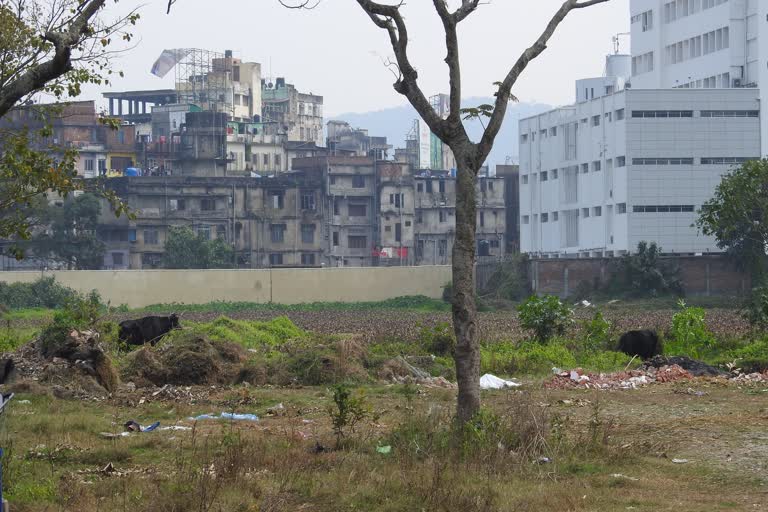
x=643 y=344
x=148 y=329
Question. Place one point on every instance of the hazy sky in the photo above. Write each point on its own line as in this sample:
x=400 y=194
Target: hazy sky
x=337 y=52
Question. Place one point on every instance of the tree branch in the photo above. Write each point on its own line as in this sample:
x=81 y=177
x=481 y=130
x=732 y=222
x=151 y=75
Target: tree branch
x=64 y=42
x=504 y=92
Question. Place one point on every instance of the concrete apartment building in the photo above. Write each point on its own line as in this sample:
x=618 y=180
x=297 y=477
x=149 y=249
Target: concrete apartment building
x=273 y=222
x=295 y=114
x=435 y=212
x=645 y=146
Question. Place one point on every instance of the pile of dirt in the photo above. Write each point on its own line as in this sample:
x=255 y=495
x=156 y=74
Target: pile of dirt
x=76 y=367
x=692 y=366
x=190 y=359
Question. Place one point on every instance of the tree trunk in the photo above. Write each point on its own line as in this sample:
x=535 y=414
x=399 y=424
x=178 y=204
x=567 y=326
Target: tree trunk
x=464 y=308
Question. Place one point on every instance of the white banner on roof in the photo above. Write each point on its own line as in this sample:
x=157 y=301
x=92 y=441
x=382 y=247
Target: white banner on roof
x=167 y=60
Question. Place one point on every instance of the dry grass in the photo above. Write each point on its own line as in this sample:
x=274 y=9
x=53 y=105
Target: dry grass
x=56 y=453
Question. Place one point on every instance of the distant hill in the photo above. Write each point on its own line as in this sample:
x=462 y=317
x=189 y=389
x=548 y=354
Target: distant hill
x=395 y=123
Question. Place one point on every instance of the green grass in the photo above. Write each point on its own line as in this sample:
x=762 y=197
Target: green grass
x=251 y=334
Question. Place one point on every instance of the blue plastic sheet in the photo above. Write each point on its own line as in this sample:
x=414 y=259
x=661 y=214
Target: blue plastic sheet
x=227 y=416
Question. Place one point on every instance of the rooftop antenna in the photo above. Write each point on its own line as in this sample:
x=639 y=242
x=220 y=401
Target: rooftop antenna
x=617 y=41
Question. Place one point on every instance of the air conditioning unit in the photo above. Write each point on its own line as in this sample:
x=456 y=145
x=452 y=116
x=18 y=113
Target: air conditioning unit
x=737 y=82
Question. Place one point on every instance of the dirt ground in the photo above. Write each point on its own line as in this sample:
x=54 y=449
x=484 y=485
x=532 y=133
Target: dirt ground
x=694 y=445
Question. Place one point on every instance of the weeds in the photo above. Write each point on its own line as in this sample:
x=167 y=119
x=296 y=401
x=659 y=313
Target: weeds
x=546 y=316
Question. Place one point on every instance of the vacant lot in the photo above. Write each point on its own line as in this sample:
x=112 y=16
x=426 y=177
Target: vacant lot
x=691 y=445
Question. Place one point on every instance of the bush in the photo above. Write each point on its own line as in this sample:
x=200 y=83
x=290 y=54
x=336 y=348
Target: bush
x=756 y=309
x=80 y=312
x=438 y=340
x=546 y=316
x=596 y=333
x=645 y=274
x=349 y=409
x=43 y=293
x=689 y=335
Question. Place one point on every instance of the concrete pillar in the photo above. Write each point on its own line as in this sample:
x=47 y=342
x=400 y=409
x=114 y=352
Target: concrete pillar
x=566 y=291
x=709 y=290
x=130 y=107
x=119 y=107
x=111 y=107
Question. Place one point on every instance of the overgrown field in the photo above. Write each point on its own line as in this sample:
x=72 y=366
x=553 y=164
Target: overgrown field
x=355 y=404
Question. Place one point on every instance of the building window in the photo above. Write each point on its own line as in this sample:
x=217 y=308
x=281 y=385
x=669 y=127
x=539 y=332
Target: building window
x=553 y=174
x=553 y=131
x=525 y=179
x=544 y=217
x=585 y=212
x=398 y=232
x=608 y=117
x=663 y=209
x=178 y=204
x=646 y=19
x=266 y=163
x=204 y=232
x=441 y=186
x=358 y=181
x=725 y=160
x=102 y=165
x=482 y=219
x=275 y=259
x=555 y=216
x=278 y=199
x=357 y=210
x=117 y=258
x=307 y=233
x=150 y=237
x=621 y=161
x=543 y=176
x=490 y=184
x=662 y=161
x=597 y=211
x=308 y=200
x=332 y=179
x=597 y=166
x=730 y=113
x=442 y=247
x=441 y=215
x=308 y=259
x=277 y=161
x=89 y=164
x=620 y=114
x=357 y=242
x=621 y=208
x=661 y=114
x=526 y=219
x=419 y=187
x=584 y=168
x=407 y=223
x=387 y=229
x=207 y=205
x=523 y=138
x=419 y=217
x=335 y=238
x=277 y=233
x=596 y=120
x=642 y=64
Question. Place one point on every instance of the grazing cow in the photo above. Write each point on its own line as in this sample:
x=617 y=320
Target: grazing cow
x=643 y=344
x=148 y=329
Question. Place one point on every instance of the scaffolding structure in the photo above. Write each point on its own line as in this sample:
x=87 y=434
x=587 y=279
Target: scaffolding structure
x=204 y=78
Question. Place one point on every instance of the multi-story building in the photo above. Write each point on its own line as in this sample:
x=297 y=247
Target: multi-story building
x=600 y=176
x=435 y=225
x=701 y=44
x=397 y=214
x=287 y=111
x=342 y=138
x=511 y=175
x=351 y=206
x=269 y=222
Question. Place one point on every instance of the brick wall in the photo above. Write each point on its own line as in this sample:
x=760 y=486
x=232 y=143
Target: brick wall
x=706 y=275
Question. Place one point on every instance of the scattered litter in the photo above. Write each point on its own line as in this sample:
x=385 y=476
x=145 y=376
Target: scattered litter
x=544 y=460
x=691 y=392
x=625 y=477
x=226 y=416
x=556 y=370
x=680 y=461
x=277 y=410
x=23 y=402
x=489 y=381
x=175 y=427
x=132 y=426
x=632 y=379
x=384 y=449
x=111 y=435
x=579 y=402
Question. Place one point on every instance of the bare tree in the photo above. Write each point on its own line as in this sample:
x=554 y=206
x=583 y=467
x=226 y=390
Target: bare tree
x=469 y=156
x=54 y=46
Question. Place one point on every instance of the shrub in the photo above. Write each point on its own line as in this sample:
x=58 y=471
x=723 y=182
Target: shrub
x=645 y=274
x=527 y=358
x=43 y=293
x=438 y=340
x=80 y=312
x=755 y=311
x=349 y=409
x=546 y=316
x=252 y=334
x=596 y=333
x=689 y=335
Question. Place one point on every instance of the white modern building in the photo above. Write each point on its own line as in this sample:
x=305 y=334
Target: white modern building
x=701 y=44
x=645 y=145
